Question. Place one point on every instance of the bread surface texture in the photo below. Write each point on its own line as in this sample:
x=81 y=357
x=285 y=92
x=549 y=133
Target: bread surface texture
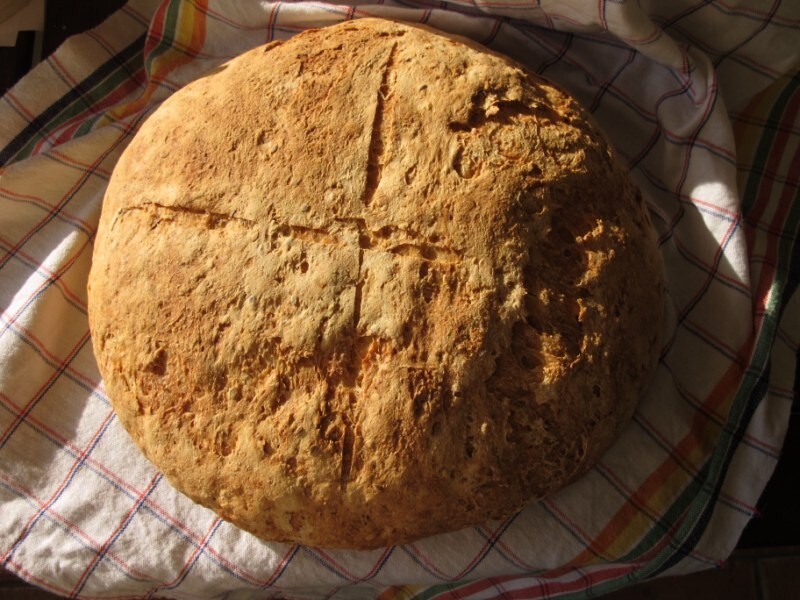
x=372 y=284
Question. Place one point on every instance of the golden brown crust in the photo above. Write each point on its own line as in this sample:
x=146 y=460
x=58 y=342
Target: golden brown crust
x=372 y=284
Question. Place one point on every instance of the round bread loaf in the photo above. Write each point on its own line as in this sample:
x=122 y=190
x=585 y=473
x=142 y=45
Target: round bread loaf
x=372 y=284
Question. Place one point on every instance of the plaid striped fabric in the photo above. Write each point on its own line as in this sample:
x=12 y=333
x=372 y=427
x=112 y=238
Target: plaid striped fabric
x=701 y=98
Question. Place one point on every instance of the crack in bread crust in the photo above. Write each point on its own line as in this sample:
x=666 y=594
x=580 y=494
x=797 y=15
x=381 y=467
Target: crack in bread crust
x=378 y=138
x=202 y=217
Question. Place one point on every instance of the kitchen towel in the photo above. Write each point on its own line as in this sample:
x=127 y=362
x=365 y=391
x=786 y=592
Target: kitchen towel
x=701 y=100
